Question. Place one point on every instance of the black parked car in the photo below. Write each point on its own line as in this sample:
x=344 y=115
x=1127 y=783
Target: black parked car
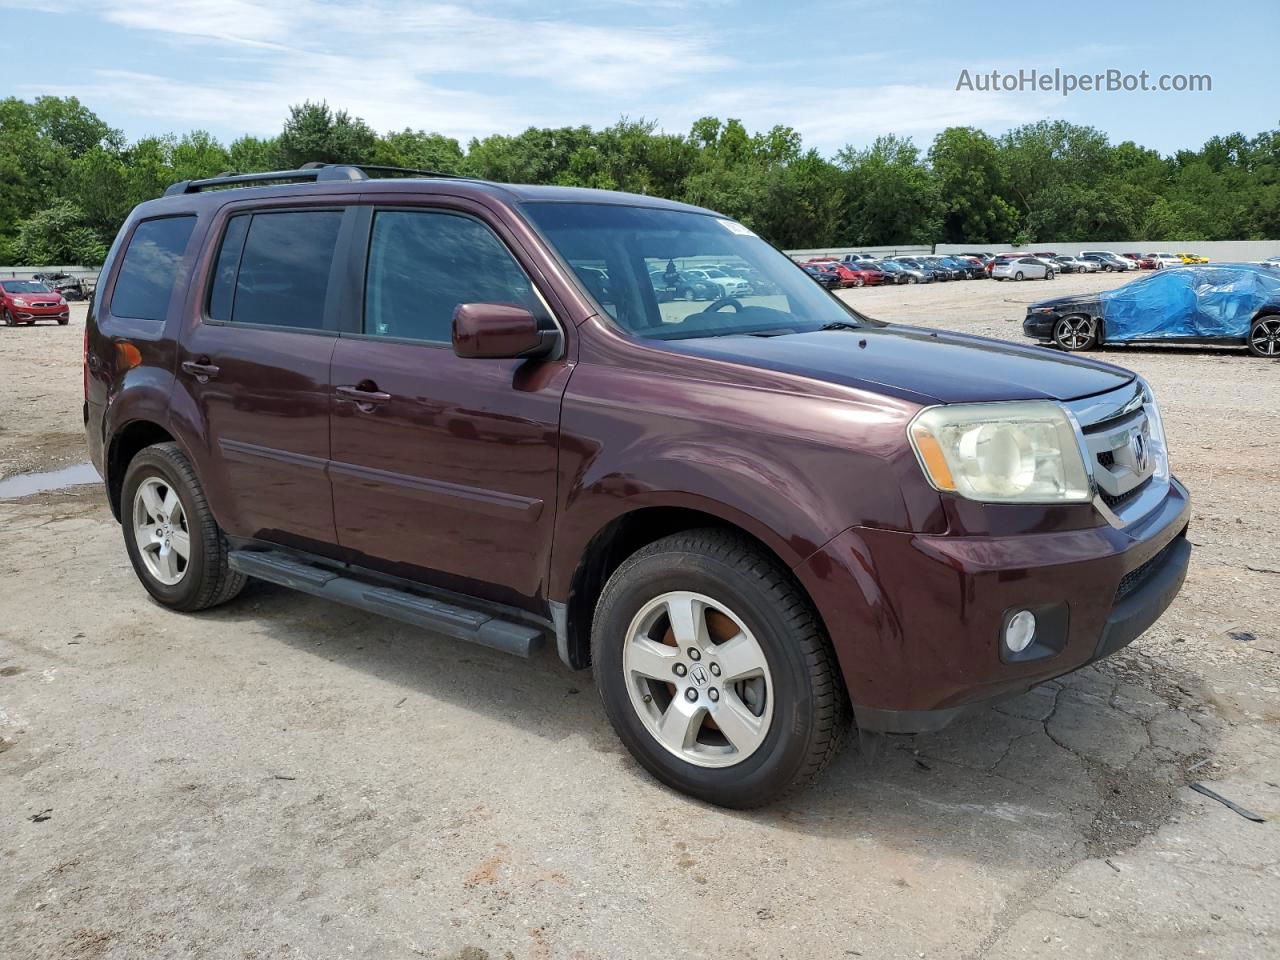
x=70 y=287
x=827 y=278
x=974 y=268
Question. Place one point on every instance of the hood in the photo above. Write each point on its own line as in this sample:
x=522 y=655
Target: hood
x=919 y=365
x=1069 y=302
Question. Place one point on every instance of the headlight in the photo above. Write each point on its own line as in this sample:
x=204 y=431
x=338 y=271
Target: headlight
x=1020 y=452
x=1159 y=447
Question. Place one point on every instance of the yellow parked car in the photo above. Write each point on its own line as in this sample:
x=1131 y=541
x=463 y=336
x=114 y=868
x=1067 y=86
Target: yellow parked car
x=1191 y=258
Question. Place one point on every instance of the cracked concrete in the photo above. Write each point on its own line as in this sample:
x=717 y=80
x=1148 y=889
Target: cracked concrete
x=284 y=778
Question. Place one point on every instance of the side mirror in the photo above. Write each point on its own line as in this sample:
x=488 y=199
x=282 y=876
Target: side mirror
x=501 y=331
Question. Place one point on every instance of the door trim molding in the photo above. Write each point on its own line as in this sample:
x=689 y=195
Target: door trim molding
x=493 y=503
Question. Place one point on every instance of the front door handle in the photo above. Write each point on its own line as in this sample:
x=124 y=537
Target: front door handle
x=366 y=395
x=204 y=371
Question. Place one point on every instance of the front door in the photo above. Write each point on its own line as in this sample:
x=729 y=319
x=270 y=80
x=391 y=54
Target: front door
x=443 y=469
x=254 y=374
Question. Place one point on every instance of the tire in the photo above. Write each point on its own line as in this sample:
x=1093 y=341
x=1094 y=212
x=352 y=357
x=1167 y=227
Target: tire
x=8 y=319
x=1264 y=337
x=1106 y=268
x=1048 y=275
x=63 y=321
x=797 y=686
x=1018 y=275
x=205 y=579
x=1076 y=333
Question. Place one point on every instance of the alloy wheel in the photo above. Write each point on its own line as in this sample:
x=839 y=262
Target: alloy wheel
x=698 y=679
x=1074 y=333
x=160 y=530
x=1264 y=339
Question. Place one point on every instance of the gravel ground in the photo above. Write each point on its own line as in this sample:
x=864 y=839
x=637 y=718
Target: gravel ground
x=287 y=778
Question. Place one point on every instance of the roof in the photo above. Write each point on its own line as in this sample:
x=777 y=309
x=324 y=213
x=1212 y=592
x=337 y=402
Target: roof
x=312 y=179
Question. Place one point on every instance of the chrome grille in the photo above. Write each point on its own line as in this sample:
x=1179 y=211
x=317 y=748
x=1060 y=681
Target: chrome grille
x=1117 y=440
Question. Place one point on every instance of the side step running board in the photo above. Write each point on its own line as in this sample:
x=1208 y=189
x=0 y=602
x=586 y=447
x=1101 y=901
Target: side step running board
x=453 y=621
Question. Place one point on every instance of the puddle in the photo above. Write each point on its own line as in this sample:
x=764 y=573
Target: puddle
x=25 y=484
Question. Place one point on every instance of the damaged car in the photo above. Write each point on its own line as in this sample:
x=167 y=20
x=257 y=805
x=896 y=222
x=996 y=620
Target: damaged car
x=1220 y=304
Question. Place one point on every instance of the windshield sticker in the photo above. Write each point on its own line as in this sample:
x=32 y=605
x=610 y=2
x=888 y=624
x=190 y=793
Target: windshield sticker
x=734 y=227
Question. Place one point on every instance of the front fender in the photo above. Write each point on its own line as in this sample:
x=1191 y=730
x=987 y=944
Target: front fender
x=791 y=469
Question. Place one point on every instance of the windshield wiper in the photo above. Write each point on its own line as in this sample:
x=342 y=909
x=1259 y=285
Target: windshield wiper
x=840 y=325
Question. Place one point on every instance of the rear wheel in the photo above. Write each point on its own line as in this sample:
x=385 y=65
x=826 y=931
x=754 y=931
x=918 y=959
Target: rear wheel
x=1076 y=333
x=715 y=671
x=1264 y=337
x=176 y=548
x=1018 y=275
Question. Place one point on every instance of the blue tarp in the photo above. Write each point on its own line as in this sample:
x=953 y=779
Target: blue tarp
x=1210 y=300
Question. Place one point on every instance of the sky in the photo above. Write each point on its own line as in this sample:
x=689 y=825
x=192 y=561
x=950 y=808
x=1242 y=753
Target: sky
x=842 y=73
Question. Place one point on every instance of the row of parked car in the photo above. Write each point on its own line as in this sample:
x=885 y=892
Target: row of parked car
x=863 y=269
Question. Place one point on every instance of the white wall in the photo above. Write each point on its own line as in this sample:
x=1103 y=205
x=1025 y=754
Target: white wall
x=1219 y=251
x=24 y=273
x=905 y=250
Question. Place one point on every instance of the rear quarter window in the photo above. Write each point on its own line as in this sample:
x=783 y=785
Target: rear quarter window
x=149 y=270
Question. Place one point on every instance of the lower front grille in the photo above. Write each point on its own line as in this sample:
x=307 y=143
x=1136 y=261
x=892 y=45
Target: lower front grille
x=1132 y=580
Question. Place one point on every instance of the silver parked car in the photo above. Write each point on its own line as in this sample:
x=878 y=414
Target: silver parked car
x=1024 y=268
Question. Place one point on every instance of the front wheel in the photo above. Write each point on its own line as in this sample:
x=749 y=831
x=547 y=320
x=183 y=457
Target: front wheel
x=174 y=544
x=1264 y=337
x=1076 y=333
x=1048 y=275
x=8 y=319
x=715 y=671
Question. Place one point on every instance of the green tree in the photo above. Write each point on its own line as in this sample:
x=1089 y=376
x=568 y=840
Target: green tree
x=970 y=182
x=891 y=197
x=58 y=235
x=315 y=132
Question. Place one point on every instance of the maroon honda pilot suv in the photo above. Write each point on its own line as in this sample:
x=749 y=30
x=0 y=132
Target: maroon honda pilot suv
x=466 y=406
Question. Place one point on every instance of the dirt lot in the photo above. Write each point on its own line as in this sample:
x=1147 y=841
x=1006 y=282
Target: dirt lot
x=287 y=778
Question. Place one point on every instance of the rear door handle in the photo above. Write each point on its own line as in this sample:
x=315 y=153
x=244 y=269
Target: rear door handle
x=366 y=395
x=204 y=371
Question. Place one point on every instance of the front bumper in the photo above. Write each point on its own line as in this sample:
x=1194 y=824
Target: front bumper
x=1039 y=326
x=31 y=314
x=916 y=619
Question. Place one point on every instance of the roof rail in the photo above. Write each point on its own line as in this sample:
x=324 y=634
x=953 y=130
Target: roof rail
x=309 y=172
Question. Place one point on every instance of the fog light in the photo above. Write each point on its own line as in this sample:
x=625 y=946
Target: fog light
x=1020 y=631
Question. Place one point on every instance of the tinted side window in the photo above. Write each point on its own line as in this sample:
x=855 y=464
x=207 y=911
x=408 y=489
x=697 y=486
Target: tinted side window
x=150 y=267
x=222 y=295
x=422 y=265
x=284 y=268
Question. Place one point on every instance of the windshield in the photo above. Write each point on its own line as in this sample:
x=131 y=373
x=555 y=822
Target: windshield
x=661 y=284
x=24 y=286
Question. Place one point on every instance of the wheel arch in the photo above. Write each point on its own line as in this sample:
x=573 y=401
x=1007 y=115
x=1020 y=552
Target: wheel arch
x=617 y=540
x=125 y=444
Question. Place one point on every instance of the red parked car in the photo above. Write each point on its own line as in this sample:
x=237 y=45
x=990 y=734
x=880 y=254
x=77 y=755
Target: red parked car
x=26 y=301
x=1144 y=262
x=752 y=520
x=867 y=276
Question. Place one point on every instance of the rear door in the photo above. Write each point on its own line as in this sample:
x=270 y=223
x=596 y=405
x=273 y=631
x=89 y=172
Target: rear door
x=254 y=372
x=444 y=469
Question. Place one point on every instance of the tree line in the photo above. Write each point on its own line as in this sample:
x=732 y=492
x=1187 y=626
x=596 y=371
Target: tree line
x=68 y=179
